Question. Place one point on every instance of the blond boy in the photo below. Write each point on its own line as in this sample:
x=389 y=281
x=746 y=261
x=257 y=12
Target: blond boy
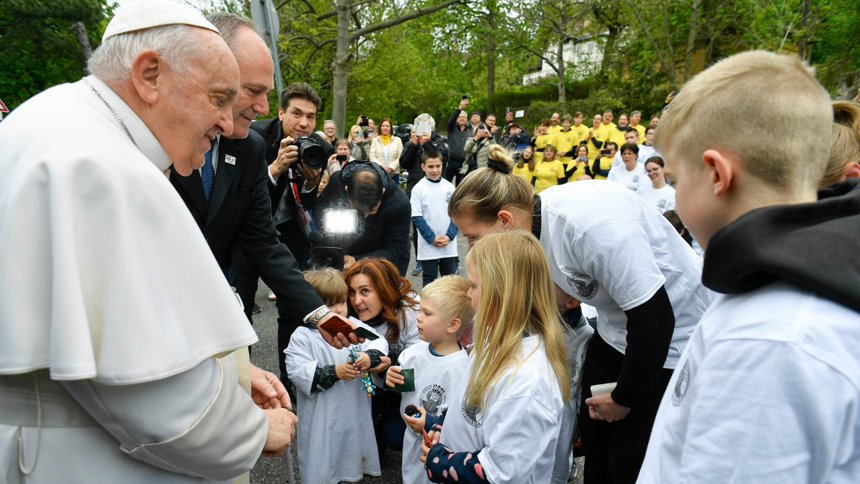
x=767 y=388
x=438 y=361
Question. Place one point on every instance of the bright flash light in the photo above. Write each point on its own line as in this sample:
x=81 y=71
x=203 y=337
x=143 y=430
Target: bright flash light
x=340 y=221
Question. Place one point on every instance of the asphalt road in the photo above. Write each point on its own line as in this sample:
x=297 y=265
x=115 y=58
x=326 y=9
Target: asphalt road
x=264 y=354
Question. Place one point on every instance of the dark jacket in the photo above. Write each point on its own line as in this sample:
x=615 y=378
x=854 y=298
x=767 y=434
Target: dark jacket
x=778 y=243
x=410 y=160
x=457 y=139
x=238 y=214
x=273 y=133
x=386 y=233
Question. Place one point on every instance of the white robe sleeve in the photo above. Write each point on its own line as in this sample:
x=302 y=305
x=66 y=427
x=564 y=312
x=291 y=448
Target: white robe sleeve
x=199 y=422
x=301 y=361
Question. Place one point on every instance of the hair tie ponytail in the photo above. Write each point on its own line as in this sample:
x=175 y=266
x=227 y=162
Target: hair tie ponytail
x=499 y=166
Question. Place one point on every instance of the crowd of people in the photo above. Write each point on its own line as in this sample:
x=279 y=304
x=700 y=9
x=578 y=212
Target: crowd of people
x=584 y=313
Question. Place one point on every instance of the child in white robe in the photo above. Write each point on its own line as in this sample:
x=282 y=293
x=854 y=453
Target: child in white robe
x=438 y=361
x=335 y=430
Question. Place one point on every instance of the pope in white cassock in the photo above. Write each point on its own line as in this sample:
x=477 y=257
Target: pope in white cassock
x=122 y=348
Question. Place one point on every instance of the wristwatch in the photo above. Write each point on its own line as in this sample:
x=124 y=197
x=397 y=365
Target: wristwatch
x=317 y=316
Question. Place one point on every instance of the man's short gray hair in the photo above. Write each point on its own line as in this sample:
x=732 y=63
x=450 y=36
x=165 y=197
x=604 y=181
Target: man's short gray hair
x=176 y=44
x=229 y=24
x=327 y=121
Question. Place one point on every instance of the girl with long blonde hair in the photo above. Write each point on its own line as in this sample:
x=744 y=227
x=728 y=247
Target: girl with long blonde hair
x=504 y=421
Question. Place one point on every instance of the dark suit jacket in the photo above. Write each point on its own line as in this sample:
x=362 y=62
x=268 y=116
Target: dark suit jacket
x=272 y=133
x=238 y=213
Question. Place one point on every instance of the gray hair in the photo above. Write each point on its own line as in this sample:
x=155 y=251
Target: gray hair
x=329 y=121
x=230 y=24
x=426 y=118
x=176 y=44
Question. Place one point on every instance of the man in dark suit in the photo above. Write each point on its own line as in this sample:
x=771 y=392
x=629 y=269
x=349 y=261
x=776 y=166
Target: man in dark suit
x=228 y=196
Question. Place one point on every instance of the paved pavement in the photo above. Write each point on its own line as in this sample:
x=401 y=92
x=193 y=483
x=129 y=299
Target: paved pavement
x=264 y=355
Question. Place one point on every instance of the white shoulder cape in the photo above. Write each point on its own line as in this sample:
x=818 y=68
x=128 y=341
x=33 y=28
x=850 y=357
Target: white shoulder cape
x=103 y=273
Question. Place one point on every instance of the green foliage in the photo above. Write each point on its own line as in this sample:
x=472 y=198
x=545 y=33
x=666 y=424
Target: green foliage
x=38 y=44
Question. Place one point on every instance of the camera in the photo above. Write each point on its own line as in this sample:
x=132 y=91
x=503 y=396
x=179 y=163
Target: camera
x=311 y=154
x=605 y=152
x=363 y=121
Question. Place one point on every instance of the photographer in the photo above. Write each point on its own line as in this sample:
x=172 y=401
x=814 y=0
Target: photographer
x=292 y=186
x=365 y=187
x=476 y=149
x=603 y=163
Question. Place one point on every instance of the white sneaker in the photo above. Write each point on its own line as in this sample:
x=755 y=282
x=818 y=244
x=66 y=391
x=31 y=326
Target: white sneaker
x=272 y=296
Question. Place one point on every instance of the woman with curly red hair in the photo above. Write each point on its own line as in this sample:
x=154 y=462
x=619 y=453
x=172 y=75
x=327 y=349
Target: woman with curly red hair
x=379 y=297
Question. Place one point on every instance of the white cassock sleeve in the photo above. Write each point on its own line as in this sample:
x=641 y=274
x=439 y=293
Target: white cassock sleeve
x=199 y=422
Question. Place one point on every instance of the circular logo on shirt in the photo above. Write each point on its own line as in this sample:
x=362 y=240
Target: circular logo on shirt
x=636 y=179
x=662 y=203
x=472 y=415
x=585 y=286
x=448 y=197
x=432 y=397
x=681 y=384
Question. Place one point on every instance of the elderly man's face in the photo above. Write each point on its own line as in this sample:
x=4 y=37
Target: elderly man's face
x=328 y=129
x=461 y=119
x=255 y=78
x=554 y=119
x=196 y=105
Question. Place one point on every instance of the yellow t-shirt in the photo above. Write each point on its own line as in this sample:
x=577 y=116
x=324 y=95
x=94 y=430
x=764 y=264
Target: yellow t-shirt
x=580 y=169
x=605 y=164
x=617 y=136
x=565 y=141
x=581 y=133
x=524 y=172
x=604 y=132
x=553 y=129
x=547 y=174
x=540 y=143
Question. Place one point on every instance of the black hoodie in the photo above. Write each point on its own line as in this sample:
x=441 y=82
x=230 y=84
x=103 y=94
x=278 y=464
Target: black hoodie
x=812 y=245
x=386 y=233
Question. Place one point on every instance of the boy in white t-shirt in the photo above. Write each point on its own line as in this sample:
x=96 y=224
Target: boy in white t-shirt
x=438 y=362
x=768 y=388
x=437 y=247
x=335 y=431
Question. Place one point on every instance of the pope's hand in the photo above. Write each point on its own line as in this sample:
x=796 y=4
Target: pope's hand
x=282 y=429
x=267 y=390
x=338 y=340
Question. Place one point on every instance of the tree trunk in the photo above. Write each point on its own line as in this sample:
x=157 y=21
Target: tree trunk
x=340 y=66
x=81 y=34
x=802 y=52
x=672 y=71
x=608 y=49
x=559 y=59
x=691 y=41
x=491 y=62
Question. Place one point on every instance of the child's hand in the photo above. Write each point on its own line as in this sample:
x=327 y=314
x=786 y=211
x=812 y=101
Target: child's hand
x=363 y=361
x=385 y=362
x=416 y=424
x=345 y=371
x=431 y=439
x=393 y=377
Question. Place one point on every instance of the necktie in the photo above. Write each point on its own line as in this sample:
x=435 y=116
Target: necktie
x=207 y=172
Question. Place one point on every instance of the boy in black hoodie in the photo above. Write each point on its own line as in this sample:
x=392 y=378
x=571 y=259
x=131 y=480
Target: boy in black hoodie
x=767 y=388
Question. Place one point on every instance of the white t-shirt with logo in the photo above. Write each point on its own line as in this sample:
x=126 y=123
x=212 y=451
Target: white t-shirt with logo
x=767 y=391
x=576 y=341
x=608 y=248
x=632 y=179
x=662 y=199
x=517 y=432
x=436 y=377
x=430 y=200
